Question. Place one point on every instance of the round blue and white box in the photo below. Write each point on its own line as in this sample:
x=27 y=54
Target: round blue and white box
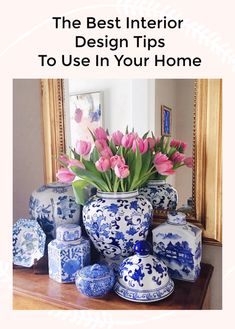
x=95 y=281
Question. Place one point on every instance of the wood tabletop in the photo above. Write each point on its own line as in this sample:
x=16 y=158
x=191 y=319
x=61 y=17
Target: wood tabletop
x=34 y=291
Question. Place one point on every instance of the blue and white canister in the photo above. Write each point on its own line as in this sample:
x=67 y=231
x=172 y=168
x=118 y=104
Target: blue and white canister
x=95 y=280
x=68 y=253
x=115 y=221
x=53 y=205
x=162 y=195
x=179 y=245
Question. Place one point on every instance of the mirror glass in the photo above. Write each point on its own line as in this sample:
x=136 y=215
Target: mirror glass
x=116 y=103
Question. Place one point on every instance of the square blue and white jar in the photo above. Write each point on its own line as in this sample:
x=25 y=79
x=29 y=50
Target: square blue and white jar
x=179 y=245
x=68 y=253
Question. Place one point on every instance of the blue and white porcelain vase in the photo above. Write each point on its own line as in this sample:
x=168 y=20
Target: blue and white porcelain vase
x=54 y=204
x=162 y=195
x=115 y=221
x=179 y=245
x=95 y=280
x=68 y=253
x=143 y=277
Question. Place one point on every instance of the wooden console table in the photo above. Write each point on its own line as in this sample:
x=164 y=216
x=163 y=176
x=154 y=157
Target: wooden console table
x=34 y=291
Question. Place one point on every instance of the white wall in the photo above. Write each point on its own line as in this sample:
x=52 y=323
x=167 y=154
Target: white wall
x=27 y=144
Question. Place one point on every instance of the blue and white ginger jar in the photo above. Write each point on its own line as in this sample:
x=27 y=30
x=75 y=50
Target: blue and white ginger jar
x=54 y=204
x=68 y=253
x=95 y=280
x=179 y=245
x=142 y=277
x=162 y=195
x=115 y=221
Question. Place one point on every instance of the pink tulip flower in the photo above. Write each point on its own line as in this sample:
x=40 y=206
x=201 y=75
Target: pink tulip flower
x=183 y=146
x=117 y=137
x=122 y=171
x=163 y=165
x=152 y=142
x=78 y=115
x=100 y=133
x=188 y=162
x=175 y=143
x=177 y=157
x=83 y=147
x=142 y=145
x=128 y=139
x=101 y=144
x=106 y=152
x=117 y=160
x=64 y=175
x=103 y=164
x=76 y=163
x=64 y=158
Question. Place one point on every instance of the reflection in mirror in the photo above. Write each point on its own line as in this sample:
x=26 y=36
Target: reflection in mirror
x=193 y=105
x=113 y=104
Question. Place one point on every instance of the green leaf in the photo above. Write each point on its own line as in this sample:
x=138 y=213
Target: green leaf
x=75 y=154
x=171 y=152
x=79 y=192
x=112 y=147
x=145 y=135
x=92 y=134
x=127 y=129
x=137 y=169
x=94 y=155
x=90 y=178
x=146 y=162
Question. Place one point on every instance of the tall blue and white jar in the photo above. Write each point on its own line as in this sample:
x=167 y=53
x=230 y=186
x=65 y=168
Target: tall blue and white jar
x=53 y=205
x=115 y=222
x=179 y=245
x=163 y=196
x=68 y=253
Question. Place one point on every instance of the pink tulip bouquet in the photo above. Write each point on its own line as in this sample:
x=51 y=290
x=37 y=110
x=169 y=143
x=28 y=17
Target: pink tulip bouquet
x=120 y=162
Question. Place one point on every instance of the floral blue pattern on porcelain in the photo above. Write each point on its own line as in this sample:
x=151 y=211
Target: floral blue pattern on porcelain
x=54 y=204
x=114 y=222
x=179 y=245
x=68 y=232
x=66 y=257
x=95 y=280
x=28 y=242
x=142 y=277
x=162 y=195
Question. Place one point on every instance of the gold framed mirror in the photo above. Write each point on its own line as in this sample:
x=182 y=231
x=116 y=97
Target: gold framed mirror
x=207 y=149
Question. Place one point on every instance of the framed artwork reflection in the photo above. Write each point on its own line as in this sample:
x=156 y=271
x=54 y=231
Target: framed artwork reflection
x=166 y=121
x=86 y=113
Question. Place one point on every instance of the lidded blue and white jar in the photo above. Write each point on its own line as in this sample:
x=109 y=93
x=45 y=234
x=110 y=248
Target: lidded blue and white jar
x=68 y=253
x=162 y=195
x=95 y=280
x=143 y=277
x=53 y=205
x=179 y=245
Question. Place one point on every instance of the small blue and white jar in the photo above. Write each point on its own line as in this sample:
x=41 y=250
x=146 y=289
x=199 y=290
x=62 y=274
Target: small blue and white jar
x=53 y=205
x=179 y=245
x=68 y=253
x=95 y=281
x=162 y=195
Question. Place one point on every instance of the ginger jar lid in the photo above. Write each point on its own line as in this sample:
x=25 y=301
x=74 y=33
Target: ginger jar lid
x=143 y=277
x=95 y=272
x=176 y=218
x=68 y=232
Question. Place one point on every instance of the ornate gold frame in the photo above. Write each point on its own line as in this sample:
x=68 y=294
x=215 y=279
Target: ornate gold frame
x=207 y=141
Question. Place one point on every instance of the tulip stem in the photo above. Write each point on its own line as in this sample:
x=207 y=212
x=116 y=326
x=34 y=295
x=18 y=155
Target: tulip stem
x=122 y=186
